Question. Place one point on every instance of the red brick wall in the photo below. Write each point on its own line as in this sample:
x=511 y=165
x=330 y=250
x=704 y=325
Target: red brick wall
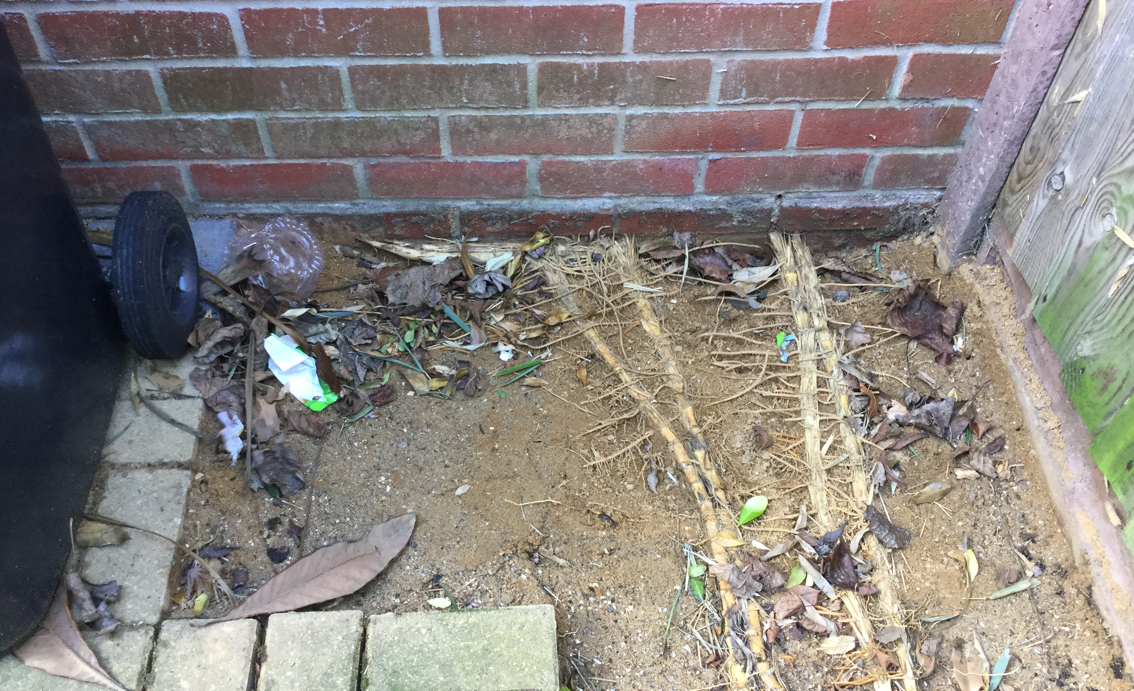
x=828 y=112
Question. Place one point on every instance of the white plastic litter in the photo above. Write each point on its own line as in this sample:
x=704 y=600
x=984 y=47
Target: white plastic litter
x=295 y=370
x=231 y=434
x=506 y=351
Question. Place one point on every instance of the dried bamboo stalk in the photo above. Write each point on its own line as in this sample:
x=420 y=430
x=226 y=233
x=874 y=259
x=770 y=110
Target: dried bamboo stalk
x=808 y=287
x=676 y=381
x=647 y=406
x=808 y=381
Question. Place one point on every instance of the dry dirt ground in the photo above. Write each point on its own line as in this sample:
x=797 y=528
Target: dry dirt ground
x=559 y=514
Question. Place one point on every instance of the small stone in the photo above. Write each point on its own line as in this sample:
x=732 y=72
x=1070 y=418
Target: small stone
x=841 y=296
x=462 y=489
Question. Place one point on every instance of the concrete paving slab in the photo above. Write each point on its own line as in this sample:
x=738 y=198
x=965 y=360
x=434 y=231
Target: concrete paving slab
x=145 y=438
x=211 y=237
x=125 y=654
x=189 y=657
x=503 y=649
x=147 y=498
x=312 y=650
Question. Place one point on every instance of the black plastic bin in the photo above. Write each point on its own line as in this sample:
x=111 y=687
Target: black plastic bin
x=61 y=355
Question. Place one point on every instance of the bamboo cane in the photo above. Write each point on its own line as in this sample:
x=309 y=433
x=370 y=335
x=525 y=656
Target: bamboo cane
x=647 y=406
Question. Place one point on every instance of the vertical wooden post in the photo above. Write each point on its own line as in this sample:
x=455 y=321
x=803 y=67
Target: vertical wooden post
x=1027 y=66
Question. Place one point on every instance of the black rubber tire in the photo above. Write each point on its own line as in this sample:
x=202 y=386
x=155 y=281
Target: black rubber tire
x=154 y=274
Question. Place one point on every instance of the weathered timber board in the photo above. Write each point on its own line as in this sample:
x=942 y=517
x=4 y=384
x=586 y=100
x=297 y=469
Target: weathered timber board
x=1071 y=186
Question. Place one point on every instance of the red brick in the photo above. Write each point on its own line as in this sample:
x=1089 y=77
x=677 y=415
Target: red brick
x=748 y=219
x=543 y=30
x=223 y=89
x=106 y=184
x=141 y=140
x=286 y=31
x=879 y=218
x=347 y=137
x=692 y=27
x=847 y=127
x=901 y=22
x=473 y=135
x=784 y=173
x=421 y=87
x=20 y=36
x=448 y=179
x=910 y=171
x=725 y=130
x=116 y=35
x=838 y=78
x=637 y=177
x=523 y=224
x=65 y=141
x=413 y=224
x=92 y=91
x=648 y=83
x=273 y=181
x=933 y=75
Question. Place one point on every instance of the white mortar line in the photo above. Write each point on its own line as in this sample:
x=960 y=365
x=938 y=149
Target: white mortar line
x=443 y=130
x=793 y=133
x=513 y=58
x=719 y=68
x=868 y=172
x=947 y=102
x=434 y=18
x=46 y=54
x=630 y=10
x=819 y=39
x=699 y=176
x=238 y=37
x=533 y=84
x=187 y=182
x=85 y=138
x=159 y=90
x=532 y=188
x=348 y=91
x=360 y=180
x=900 y=69
x=512 y=158
x=265 y=137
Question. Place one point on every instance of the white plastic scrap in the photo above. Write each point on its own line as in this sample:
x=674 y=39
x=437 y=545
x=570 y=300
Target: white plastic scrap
x=294 y=369
x=233 y=427
x=506 y=351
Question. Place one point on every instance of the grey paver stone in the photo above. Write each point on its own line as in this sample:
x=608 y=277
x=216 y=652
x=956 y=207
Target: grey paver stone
x=144 y=437
x=189 y=657
x=312 y=650
x=505 y=649
x=148 y=498
x=211 y=235
x=123 y=653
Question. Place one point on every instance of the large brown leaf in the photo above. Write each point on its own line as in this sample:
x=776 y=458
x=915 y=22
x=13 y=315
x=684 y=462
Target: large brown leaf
x=917 y=314
x=58 y=649
x=330 y=572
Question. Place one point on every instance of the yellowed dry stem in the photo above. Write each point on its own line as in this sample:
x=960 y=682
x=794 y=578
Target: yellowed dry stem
x=647 y=406
x=811 y=317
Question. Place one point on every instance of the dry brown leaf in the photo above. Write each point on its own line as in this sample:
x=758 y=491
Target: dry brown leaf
x=266 y=423
x=966 y=674
x=330 y=572
x=837 y=645
x=58 y=649
x=581 y=374
x=763 y=439
x=170 y=383
x=855 y=334
x=306 y=423
x=932 y=492
x=326 y=370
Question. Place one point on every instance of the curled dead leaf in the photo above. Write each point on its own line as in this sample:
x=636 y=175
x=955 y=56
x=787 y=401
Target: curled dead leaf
x=932 y=492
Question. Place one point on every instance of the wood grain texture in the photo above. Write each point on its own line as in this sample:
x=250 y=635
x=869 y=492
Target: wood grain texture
x=1077 y=74
x=1072 y=184
x=1029 y=62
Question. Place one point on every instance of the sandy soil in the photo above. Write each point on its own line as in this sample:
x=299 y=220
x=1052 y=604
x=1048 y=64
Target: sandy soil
x=558 y=515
